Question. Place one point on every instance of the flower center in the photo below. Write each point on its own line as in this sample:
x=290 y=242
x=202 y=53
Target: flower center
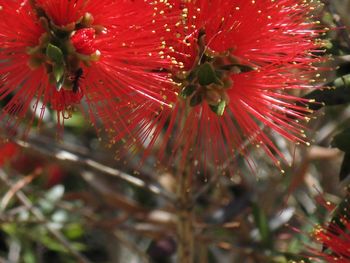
x=63 y=49
x=210 y=77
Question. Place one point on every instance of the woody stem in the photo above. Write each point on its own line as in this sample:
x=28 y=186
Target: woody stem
x=185 y=219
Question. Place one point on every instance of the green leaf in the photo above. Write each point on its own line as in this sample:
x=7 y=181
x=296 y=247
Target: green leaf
x=342 y=141
x=74 y=231
x=58 y=72
x=263 y=225
x=28 y=256
x=345 y=167
x=220 y=108
x=8 y=228
x=337 y=93
x=206 y=74
x=51 y=243
x=343 y=81
x=55 y=54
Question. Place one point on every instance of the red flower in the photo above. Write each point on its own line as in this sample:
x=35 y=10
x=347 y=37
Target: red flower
x=336 y=241
x=334 y=237
x=234 y=65
x=56 y=52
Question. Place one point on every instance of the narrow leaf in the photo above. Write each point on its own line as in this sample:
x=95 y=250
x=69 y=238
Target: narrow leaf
x=337 y=93
x=263 y=225
x=58 y=71
x=220 y=108
x=345 y=167
x=55 y=54
x=342 y=141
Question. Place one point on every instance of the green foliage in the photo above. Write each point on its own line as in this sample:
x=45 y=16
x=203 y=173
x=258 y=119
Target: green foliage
x=262 y=223
x=58 y=68
x=55 y=54
x=342 y=142
x=334 y=93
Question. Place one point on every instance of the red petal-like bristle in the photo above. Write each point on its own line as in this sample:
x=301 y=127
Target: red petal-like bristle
x=277 y=38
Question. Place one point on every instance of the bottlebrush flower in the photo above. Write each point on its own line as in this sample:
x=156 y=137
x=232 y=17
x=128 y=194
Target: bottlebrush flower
x=336 y=241
x=334 y=237
x=56 y=52
x=235 y=63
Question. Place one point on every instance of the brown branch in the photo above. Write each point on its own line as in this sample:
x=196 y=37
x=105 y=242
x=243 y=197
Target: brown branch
x=185 y=219
x=52 y=150
x=18 y=186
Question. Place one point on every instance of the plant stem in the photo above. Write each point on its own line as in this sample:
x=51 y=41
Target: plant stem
x=185 y=228
x=61 y=153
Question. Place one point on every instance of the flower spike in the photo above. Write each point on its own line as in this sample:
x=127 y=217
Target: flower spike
x=234 y=63
x=56 y=53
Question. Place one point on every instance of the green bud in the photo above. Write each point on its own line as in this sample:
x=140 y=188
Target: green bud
x=88 y=19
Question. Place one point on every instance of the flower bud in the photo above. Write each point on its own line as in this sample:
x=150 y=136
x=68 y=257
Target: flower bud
x=83 y=41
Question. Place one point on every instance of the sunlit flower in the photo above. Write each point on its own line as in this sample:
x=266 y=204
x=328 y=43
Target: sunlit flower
x=235 y=63
x=54 y=53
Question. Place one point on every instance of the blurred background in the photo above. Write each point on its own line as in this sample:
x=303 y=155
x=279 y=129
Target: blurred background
x=70 y=200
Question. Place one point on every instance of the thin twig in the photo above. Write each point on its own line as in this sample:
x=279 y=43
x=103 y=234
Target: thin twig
x=17 y=186
x=70 y=156
x=112 y=197
x=41 y=217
